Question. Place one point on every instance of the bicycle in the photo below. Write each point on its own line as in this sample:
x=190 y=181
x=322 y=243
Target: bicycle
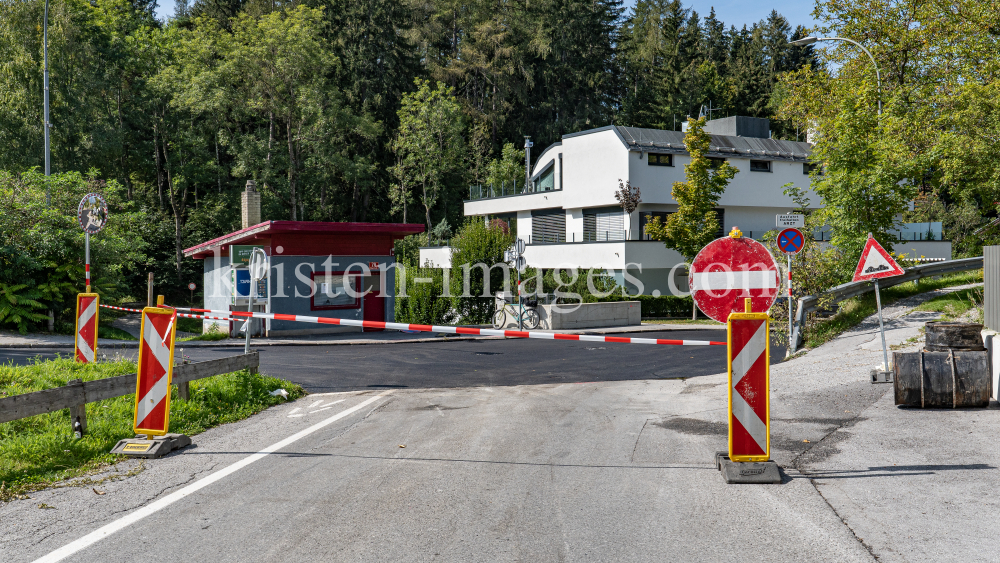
x=525 y=313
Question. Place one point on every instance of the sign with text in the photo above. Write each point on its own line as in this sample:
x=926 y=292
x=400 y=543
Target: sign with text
x=241 y=285
x=240 y=254
x=790 y=220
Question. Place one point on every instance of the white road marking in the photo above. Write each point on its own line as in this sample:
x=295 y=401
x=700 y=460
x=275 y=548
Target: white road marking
x=334 y=403
x=150 y=509
x=316 y=404
x=296 y=415
x=315 y=411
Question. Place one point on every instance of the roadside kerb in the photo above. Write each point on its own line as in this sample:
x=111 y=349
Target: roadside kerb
x=77 y=394
x=811 y=303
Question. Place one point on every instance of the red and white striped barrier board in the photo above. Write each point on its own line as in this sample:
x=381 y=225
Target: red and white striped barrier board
x=749 y=392
x=85 y=343
x=457 y=329
x=156 y=363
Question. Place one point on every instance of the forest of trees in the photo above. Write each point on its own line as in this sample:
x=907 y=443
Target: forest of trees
x=304 y=96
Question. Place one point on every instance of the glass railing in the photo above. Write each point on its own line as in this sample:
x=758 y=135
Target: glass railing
x=493 y=190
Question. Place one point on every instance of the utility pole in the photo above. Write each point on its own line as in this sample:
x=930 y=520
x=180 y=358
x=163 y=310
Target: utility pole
x=45 y=50
x=527 y=161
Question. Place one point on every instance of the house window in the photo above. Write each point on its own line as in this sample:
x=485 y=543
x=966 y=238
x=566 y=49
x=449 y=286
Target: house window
x=647 y=216
x=715 y=163
x=330 y=291
x=547 y=181
x=760 y=165
x=603 y=224
x=808 y=167
x=660 y=159
x=548 y=226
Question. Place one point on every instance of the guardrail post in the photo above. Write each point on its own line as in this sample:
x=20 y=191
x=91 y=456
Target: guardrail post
x=78 y=413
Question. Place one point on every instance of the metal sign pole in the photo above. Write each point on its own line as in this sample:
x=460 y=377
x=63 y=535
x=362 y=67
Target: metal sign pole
x=246 y=347
x=788 y=349
x=86 y=267
x=881 y=328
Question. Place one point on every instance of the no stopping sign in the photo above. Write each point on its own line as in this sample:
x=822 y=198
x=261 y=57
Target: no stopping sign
x=727 y=271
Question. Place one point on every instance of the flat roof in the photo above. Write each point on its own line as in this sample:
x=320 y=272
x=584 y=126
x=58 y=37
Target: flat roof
x=398 y=230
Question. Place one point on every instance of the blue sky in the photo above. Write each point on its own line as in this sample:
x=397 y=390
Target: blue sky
x=731 y=12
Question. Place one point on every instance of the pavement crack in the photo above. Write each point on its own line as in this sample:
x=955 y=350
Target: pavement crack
x=631 y=459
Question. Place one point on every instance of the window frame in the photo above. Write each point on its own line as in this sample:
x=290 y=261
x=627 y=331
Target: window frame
x=659 y=155
x=758 y=169
x=714 y=162
x=315 y=290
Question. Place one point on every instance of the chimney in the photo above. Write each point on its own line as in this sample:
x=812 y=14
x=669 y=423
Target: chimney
x=251 y=205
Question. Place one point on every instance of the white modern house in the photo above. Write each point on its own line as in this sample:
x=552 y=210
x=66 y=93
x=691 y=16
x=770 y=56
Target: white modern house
x=569 y=216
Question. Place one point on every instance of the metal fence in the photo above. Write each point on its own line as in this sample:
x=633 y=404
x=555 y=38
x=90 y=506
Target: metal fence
x=991 y=287
x=811 y=303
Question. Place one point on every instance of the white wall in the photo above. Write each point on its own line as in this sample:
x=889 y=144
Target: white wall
x=437 y=257
x=592 y=165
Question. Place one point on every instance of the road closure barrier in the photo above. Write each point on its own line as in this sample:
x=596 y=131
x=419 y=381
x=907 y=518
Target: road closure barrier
x=466 y=330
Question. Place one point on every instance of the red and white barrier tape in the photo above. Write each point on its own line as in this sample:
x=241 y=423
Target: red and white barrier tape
x=459 y=329
x=233 y=315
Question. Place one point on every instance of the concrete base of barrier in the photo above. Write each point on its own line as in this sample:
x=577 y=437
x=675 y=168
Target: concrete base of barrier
x=881 y=376
x=752 y=472
x=159 y=446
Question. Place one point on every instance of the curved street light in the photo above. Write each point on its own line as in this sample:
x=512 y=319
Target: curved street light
x=878 y=77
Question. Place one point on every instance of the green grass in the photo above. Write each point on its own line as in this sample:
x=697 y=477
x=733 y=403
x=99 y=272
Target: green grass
x=853 y=311
x=687 y=321
x=113 y=333
x=38 y=451
x=955 y=305
x=210 y=336
x=189 y=325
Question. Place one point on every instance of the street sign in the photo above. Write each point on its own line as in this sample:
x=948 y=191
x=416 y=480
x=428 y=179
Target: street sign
x=242 y=283
x=875 y=263
x=258 y=264
x=730 y=269
x=519 y=246
x=155 y=369
x=85 y=343
x=749 y=387
x=790 y=220
x=92 y=213
x=791 y=241
x=520 y=264
x=192 y=286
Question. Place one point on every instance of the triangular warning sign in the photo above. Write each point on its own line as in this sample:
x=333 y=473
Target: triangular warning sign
x=876 y=263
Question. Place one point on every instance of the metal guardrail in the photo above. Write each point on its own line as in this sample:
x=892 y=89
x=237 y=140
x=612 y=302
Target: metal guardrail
x=78 y=393
x=811 y=303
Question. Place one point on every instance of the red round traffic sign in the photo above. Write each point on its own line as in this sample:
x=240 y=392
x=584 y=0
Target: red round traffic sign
x=791 y=241
x=727 y=271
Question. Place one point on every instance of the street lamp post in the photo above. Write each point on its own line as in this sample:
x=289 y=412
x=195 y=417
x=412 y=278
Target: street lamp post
x=878 y=76
x=45 y=123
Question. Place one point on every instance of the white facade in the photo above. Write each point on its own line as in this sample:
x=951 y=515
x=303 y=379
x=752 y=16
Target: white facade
x=570 y=218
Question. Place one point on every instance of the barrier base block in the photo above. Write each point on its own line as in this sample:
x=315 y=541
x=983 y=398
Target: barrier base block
x=753 y=472
x=159 y=446
x=881 y=376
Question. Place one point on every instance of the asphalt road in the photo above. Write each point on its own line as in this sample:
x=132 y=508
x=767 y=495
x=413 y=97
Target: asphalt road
x=471 y=363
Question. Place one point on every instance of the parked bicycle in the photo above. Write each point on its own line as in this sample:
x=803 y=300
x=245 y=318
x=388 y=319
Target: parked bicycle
x=524 y=312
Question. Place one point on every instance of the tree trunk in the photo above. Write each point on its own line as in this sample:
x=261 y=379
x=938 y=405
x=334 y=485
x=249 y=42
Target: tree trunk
x=159 y=166
x=178 y=209
x=291 y=167
x=427 y=210
x=694 y=310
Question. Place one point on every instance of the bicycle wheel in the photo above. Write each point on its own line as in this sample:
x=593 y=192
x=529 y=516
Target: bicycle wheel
x=530 y=319
x=499 y=319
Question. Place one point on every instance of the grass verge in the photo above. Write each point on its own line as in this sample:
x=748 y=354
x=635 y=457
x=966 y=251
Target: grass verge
x=38 y=451
x=853 y=311
x=682 y=322
x=113 y=333
x=957 y=304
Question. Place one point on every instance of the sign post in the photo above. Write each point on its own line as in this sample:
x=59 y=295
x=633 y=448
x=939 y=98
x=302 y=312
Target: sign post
x=258 y=271
x=519 y=264
x=876 y=263
x=790 y=241
x=92 y=213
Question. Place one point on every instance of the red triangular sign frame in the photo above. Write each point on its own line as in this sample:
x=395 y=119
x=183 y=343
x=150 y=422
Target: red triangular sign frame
x=876 y=263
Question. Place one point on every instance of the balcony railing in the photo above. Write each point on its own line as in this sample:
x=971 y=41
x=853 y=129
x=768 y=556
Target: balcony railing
x=493 y=190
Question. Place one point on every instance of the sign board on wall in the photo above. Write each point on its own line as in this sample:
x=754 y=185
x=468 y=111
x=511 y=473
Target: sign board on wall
x=239 y=254
x=241 y=285
x=787 y=220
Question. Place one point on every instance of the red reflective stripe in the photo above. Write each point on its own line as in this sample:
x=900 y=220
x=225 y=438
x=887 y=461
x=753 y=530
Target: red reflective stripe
x=566 y=336
x=423 y=328
x=282 y=317
x=617 y=339
x=517 y=333
x=327 y=321
x=466 y=330
x=673 y=342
